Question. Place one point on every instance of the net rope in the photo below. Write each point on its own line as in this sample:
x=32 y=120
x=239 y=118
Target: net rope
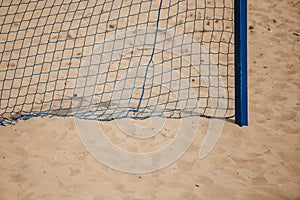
x=111 y=59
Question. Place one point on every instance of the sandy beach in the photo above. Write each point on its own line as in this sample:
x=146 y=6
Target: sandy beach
x=43 y=158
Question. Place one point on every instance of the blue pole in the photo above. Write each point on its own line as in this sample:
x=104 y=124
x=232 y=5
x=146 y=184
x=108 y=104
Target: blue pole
x=240 y=42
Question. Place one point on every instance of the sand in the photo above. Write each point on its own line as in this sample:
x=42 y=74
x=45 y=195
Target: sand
x=43 y=158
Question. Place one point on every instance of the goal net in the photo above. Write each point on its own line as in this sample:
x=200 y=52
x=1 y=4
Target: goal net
x=111 y=59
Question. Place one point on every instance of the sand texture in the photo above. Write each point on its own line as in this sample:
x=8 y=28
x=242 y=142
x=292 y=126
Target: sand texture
x=43 y=158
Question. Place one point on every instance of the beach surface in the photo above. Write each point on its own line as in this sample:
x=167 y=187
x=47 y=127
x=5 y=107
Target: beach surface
x=44 y=158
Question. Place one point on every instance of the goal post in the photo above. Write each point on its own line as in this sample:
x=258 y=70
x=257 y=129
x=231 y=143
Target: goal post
x=112 y=59
x=241 y=85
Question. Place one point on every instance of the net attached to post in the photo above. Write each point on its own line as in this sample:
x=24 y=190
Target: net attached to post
x=111 y=59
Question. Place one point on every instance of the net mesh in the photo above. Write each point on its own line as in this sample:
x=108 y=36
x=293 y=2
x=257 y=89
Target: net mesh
x=110 y=59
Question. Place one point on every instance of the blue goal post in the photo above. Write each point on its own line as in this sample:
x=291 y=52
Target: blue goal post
x=241 y=84
x=112 y=59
